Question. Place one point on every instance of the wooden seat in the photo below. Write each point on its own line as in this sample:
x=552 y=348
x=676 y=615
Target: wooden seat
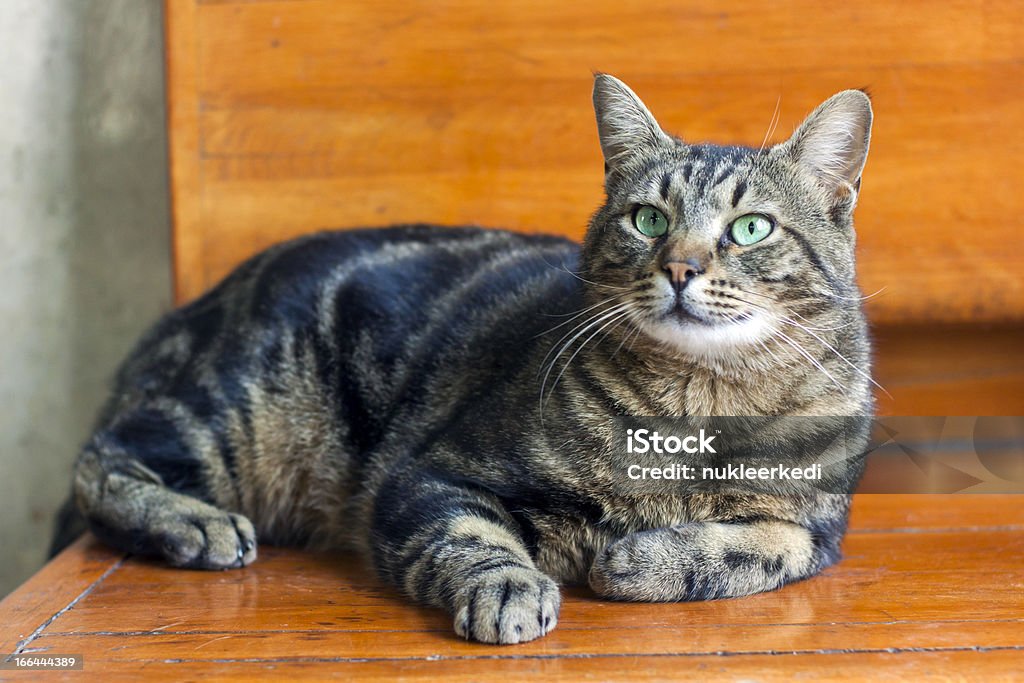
x=292 y=116
x=929 y=585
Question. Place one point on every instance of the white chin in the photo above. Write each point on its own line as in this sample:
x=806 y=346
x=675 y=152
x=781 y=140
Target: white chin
x=708 y=341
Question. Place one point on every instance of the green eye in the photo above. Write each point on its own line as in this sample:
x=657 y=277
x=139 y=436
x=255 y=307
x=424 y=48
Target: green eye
x=650 y=221
x=750 y=229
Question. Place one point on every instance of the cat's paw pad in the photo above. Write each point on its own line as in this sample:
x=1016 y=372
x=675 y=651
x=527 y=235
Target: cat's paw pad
x=507 y=606
x=206 y=539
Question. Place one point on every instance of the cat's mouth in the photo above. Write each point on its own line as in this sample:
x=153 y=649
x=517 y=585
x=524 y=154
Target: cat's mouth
x=700 y=333
x=685 y=314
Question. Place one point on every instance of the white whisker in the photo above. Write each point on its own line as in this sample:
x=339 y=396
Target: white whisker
x=751 y=303
x=580 y=325
x=577 y=276
x=838 y=355
x=613 y=297
x=803 y=352
x=636 y=330
x=771 y=126
x=595 y=320
x=770 y=352
x=859 y=298
x=615 y=318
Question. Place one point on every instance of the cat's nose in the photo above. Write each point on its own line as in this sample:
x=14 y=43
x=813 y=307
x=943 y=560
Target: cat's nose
x=680 y=273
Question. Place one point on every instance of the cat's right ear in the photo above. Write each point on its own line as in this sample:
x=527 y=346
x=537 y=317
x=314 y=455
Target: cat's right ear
x=624 y=124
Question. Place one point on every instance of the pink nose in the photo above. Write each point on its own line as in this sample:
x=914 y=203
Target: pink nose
x=681 y=272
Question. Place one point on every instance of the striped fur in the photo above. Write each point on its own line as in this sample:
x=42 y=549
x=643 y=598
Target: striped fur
x=439 y=399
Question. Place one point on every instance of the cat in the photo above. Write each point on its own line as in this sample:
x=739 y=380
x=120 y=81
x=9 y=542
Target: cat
x=438 y=400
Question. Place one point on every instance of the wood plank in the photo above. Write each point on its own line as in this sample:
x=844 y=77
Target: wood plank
x=69 y=577
x=308 y=117
x=942 y=593
x=563 y=642
x=950 y=370
x=527 y=159
x=186 y=188
x=895 y=666
x=884 y=577
x=905 y=513
x=263 y=46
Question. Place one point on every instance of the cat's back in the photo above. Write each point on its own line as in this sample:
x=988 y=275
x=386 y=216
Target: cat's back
x=401 y=273
x=351 y=303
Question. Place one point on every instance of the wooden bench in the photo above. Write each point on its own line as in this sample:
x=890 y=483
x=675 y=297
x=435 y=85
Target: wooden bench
x=288 y=117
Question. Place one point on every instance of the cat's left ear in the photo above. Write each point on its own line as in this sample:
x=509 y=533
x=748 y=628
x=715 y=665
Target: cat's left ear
x=832 y=143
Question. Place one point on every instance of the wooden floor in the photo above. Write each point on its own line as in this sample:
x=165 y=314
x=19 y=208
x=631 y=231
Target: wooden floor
x=930 y=586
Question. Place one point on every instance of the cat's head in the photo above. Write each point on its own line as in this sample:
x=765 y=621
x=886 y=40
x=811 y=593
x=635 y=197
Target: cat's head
x=713 y=251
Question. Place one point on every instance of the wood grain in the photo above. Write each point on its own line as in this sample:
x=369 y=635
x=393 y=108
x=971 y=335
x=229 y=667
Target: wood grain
x=943 y=664
x=61 y=583
x=929 y=585
x=883 y=573
x=288 y=117
x=183 y=130
x=681 y=639
x=950 y=370
x=894 y=513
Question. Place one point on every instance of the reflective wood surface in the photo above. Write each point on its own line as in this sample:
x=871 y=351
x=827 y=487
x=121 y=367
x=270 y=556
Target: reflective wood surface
x=930 y=585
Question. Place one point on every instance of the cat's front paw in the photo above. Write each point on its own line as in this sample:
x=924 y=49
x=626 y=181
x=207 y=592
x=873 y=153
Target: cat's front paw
x=634 y=568
x=205 y=538
x=507 y=606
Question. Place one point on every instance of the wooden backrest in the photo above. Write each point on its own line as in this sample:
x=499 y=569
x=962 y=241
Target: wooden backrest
x=289 y=117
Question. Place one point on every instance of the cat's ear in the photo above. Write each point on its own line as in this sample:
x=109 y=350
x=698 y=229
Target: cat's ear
x=832 y=143
x=624 y=124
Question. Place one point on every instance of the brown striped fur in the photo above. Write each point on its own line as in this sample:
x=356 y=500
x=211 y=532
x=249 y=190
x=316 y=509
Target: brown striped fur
x=441 y=400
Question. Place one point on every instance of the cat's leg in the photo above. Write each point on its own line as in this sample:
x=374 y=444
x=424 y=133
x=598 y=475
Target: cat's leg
x=457 y=548
x=708 y=560
x=126 y=504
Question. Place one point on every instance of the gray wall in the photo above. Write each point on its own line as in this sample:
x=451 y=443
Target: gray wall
x=84 y=237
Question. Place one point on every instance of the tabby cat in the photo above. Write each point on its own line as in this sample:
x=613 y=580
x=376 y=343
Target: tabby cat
x=439 y=399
